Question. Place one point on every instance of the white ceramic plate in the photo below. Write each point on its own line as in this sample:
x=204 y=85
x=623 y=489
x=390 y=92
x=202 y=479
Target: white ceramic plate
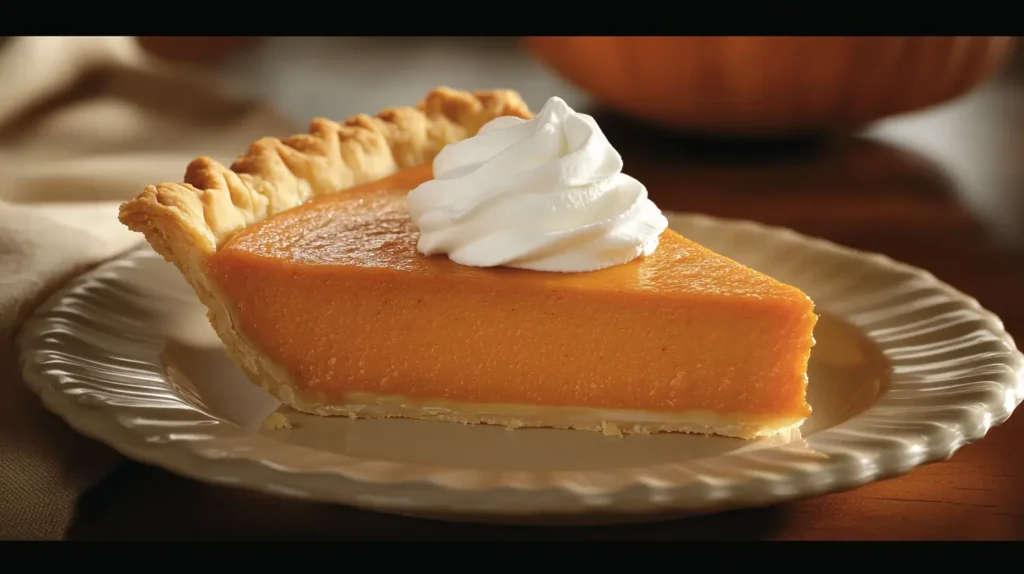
x=906 y=371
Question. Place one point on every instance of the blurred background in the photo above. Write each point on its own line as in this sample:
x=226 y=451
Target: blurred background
x=733 y=85
x=949 y=110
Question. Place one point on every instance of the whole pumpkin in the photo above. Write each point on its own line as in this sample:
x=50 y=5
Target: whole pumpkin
x=771 y=85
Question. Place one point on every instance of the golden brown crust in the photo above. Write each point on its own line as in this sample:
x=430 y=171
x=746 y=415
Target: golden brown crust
x=214 y=202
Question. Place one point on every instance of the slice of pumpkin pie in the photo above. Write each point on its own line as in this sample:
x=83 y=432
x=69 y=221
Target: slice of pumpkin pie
x=467 y=261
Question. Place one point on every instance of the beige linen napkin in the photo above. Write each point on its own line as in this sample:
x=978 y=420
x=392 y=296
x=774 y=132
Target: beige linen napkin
x=85 y=123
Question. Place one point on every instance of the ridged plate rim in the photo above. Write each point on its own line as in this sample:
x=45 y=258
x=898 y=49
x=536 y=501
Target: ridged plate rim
x=968 y=391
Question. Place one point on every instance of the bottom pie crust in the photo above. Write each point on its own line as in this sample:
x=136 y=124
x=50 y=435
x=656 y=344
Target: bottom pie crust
x=611 y=422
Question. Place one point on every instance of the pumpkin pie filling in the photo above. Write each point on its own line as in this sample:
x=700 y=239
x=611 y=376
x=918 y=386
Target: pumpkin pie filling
x=346 y=279
x=682 y=330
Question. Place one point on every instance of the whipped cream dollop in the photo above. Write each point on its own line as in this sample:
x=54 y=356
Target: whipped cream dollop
x=546 y=194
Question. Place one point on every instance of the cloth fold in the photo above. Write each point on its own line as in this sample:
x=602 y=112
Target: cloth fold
x=85 y=123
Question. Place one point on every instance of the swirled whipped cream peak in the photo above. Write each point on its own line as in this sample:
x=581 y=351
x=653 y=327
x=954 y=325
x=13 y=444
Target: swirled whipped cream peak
x=546 y=194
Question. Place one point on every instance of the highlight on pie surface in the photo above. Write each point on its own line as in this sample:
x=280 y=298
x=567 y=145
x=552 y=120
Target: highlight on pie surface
x=466 y=261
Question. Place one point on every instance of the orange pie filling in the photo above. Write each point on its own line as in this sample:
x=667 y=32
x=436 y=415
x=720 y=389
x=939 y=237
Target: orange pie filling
x=335 y=292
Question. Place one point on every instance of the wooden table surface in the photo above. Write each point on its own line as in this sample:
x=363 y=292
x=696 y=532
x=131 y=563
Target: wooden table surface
x=944 y=191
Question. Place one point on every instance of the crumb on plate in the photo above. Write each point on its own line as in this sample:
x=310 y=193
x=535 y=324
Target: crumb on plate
x=277 y=421
x=610 y=429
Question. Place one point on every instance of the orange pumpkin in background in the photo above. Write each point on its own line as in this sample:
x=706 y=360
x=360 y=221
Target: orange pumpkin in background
x=767 y=86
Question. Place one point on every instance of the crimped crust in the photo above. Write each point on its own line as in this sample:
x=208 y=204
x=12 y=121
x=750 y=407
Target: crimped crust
x=187 y=222
x=215 y=202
